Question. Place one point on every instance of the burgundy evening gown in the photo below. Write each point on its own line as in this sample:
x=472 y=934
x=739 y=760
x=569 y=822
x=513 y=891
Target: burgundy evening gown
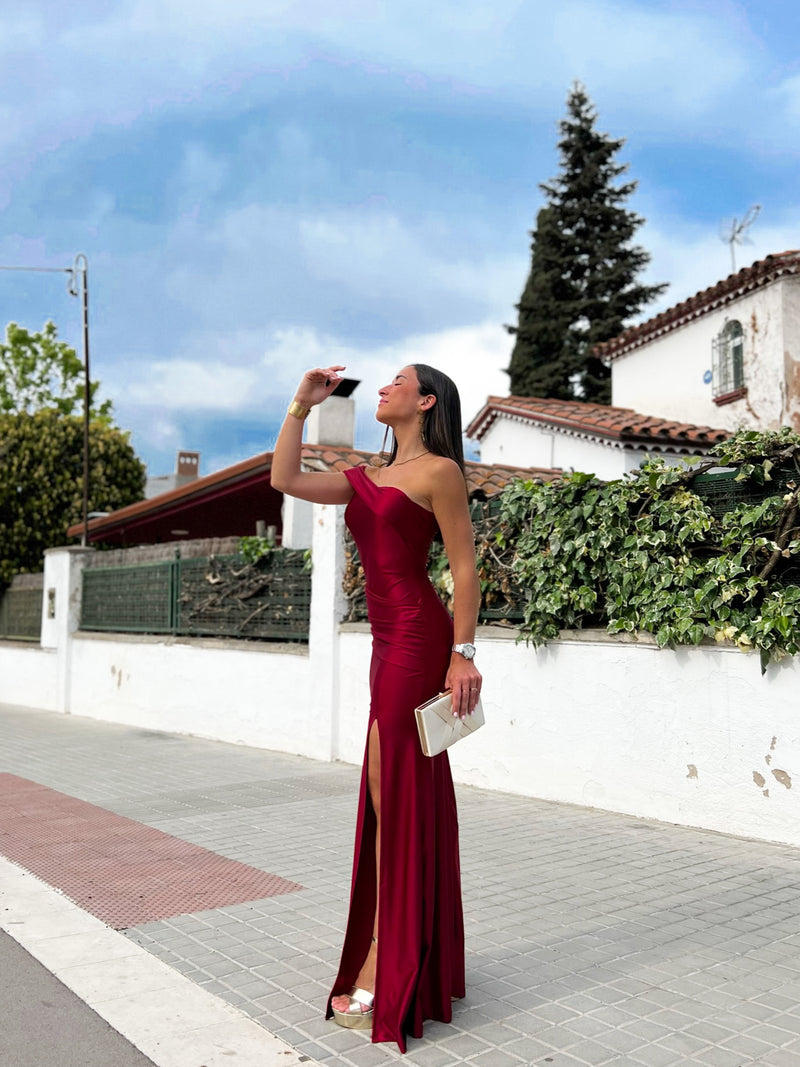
x=420 y=964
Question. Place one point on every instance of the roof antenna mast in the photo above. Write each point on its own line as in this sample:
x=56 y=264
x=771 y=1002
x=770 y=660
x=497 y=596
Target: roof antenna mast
x=732 y=232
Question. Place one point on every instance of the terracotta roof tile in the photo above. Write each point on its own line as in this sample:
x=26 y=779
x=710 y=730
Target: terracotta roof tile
x=246 y=470
x=597 y=420
x=483 y=479
x=760 y=273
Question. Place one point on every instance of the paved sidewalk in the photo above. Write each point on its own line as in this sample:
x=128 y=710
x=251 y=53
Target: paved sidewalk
x=591 y=938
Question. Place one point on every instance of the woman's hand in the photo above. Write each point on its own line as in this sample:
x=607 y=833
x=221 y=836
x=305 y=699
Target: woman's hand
x=464 y=679
x=317 y=385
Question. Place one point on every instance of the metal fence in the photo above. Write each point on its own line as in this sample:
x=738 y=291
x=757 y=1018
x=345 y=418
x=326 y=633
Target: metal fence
x=222 y=596
x=21 y=609
x=722 y=492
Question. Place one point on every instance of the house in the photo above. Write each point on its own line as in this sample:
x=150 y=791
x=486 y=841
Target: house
x=240 y=501
x=728 y=356
x=596 y=438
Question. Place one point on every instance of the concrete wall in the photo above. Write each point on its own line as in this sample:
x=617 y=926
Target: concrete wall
x=28 y=675
x=791 y=353
x=526 y=444
x=665 y=377
x=695 y=736
x=217 y=689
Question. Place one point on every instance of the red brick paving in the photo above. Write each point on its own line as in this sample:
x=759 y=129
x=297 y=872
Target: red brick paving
x=119 y=870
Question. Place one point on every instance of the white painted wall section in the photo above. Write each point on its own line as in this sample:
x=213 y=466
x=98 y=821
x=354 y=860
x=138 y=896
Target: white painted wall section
x=28 y=675
x=665 y=376
x=232 y=691
x=694 y=736
x=526 y=444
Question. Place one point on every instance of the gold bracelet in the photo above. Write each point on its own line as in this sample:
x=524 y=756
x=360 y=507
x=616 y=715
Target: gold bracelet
x=298 y=411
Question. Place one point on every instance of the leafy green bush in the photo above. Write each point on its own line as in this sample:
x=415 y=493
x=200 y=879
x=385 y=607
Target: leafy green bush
x=41 y=482
x=646 y=553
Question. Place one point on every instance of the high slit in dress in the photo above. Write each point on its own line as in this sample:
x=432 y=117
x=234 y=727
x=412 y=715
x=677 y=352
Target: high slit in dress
x=420 y=961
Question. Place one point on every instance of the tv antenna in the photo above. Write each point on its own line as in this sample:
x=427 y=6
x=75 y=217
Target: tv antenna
x=732 y=232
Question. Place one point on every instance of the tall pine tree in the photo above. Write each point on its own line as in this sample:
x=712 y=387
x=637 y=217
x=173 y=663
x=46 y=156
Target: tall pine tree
x=582 y=288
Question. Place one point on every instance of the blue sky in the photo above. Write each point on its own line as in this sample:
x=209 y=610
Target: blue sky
x=266 y=185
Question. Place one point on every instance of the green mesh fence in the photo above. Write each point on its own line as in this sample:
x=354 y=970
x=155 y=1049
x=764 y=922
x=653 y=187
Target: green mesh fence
x=135 y=599
x=721 y=492
x=223 y=596
x=21 y=614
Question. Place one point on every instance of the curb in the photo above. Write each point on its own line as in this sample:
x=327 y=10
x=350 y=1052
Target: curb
x=161 y=1012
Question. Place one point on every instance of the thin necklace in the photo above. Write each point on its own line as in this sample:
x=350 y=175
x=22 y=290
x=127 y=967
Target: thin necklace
x=401 y=463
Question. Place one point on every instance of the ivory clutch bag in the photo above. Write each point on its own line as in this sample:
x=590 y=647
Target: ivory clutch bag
x=439 y=728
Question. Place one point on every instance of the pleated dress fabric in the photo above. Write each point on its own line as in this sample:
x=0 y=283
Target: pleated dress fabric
x=420 y=961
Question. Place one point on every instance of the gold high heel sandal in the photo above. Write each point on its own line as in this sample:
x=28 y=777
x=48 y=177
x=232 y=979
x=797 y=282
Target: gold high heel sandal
x=360 y=1009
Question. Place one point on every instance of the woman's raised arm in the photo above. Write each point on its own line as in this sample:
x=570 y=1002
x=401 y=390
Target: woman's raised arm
x=287 y=476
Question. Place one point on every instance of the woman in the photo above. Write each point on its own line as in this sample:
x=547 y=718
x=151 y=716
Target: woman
x=403 y=954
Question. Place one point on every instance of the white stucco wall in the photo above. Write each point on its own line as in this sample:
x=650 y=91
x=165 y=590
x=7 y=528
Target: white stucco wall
x=791 y=352
x=665 y=376
x=28 y=675
x=525 y=444
x=237 y=691
x=677 y=736
x=695 y=736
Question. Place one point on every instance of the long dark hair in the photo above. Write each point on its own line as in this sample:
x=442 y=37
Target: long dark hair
x=441 y=423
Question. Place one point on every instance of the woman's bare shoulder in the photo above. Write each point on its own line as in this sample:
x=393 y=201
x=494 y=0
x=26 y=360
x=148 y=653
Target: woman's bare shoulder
x=445 y=481
x=442 y=467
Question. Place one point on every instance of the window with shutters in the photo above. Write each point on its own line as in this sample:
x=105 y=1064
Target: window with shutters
x=727 y=367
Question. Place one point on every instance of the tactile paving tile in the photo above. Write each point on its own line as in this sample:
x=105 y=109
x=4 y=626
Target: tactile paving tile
x=121 y=871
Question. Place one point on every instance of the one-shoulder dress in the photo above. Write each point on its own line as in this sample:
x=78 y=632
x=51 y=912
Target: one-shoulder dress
x=420 y=961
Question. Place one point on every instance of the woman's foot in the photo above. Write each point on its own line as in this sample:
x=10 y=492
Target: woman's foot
x=358 y=1015
x=348 y=1004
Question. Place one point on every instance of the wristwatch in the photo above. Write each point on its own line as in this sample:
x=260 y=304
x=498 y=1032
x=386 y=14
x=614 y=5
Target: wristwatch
x=466 y=650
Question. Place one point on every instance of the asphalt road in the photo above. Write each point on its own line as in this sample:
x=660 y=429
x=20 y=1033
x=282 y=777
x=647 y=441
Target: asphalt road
x=43 y=1024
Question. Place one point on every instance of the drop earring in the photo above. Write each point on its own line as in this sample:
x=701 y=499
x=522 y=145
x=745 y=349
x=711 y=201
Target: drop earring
x=383 y=446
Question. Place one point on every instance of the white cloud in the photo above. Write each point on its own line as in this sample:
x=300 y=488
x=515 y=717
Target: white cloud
x=474 y=356
x=200 y=176
x=783 y=106
x=163 y=433
x=674 y=64
x=693 y=257
x=380 y=257
x=192 y=385
x=158 y=55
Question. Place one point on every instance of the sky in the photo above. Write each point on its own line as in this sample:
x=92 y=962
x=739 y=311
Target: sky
x=262 y=186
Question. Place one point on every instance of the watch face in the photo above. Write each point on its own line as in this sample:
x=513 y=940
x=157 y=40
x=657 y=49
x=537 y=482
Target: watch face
x=467 y=650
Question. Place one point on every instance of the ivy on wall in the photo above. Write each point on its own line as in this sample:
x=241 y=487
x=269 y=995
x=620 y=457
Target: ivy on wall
x=649 y=552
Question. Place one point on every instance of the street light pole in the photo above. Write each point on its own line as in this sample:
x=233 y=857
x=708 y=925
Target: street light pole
x=80 y=270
